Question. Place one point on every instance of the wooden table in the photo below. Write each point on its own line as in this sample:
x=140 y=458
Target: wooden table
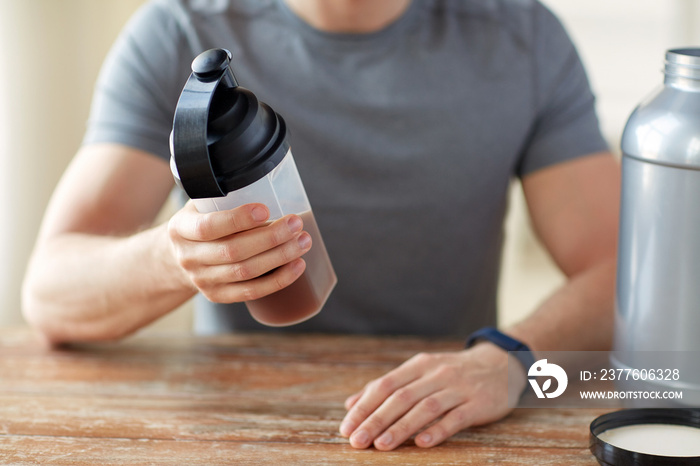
x=238 y=399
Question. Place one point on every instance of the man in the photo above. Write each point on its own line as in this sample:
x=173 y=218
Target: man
x=408 y=119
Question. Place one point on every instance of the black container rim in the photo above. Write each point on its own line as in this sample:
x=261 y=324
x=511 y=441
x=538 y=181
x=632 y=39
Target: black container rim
x=608 y=454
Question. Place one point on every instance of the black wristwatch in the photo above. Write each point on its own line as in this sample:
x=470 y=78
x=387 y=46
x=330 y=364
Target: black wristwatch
x=517 y=348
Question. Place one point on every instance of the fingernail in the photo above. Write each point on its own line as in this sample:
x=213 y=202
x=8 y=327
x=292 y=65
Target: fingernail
x=295 y=224
x=259 y=214
x=346 y=428
x=304 y=241
x=360 y=437
x=426 y=438
x=385 y=438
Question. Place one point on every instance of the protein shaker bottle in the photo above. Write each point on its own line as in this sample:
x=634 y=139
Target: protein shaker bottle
x=658 y=274
x=228 y=149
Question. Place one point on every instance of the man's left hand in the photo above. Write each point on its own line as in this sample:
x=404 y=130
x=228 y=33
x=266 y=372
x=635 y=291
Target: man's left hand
x=458 y=389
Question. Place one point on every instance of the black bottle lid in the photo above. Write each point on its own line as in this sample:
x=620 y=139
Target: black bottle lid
x=223 y=137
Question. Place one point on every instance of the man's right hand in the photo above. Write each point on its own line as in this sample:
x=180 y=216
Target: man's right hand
x=236 y=255
x=101 y=269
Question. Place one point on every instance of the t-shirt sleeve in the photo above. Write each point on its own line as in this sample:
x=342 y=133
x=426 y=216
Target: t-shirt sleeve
x=565 y=125
x=140 y=81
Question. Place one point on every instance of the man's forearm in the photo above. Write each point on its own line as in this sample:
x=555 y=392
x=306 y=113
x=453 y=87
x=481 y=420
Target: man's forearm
x=579 y=316
x=85 y=287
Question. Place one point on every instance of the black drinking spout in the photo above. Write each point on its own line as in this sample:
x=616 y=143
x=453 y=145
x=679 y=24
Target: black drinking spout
x=190 y=135
x=213 y=65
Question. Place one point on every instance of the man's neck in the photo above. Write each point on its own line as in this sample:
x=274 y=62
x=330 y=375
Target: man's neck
x=349 y=16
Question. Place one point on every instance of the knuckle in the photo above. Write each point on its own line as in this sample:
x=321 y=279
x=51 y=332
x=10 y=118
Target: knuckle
x=404 y=395
x=280 y=282
x=445 y=372
x=290 y=251
x=199 y=282
x=431 y=405
x=279 y=234
x=360 y=412
x=453 y=422
x=422 y=358
x=376 y=423
x=211 y=294
x=275 y=239
x=199 y=227
x=233 y=221
x=439 y=431
x=190 y=263
x=229 y=252
x=186 y=261
x=239 y=272
x=173 y=229
x=385 y=385
x=460 y=417
x=207 y=284
x=202 y=227
x=249 y=293
x=401 y=430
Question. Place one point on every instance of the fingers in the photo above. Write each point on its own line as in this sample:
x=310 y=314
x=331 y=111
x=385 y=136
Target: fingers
x=196 y=226
x=454 y=421
x=423 y=413
x=224 y=282
x=252 y=252
x=403 y=414
x=259 y=287
x=234 y=256
x=376 y=393
x=438 y=394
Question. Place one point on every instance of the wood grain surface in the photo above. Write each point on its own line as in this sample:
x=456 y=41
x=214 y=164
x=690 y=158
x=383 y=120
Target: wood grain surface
x=236 y=399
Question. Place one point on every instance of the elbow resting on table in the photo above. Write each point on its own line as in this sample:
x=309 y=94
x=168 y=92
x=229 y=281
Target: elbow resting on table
x=55 y=327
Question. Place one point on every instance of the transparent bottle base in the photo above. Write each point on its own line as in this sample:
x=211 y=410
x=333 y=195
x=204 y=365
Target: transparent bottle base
x=304 y=298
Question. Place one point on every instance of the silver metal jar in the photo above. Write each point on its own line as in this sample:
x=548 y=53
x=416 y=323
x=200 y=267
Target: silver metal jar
x=658 y=273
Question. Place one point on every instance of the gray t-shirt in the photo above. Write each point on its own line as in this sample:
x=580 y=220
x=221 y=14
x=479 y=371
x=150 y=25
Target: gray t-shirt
x=406 y=138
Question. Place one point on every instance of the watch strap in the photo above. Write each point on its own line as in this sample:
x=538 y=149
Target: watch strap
x=515 y=347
